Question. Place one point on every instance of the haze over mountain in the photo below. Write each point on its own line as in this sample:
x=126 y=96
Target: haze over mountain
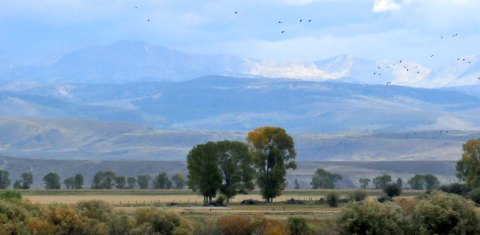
x=96 y=140
x=134 y=61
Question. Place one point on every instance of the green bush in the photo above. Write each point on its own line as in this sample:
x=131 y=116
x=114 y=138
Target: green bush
x=392 y=190
x=371 y=217
x=384 y=198
x=162 y=222
x=11 y=195
x=332 y=199
x=358 y=195
x=441 y=213
x=97 y=210
x=475 y=195
x=297 y=226
x=235 y=225
x=455 y=188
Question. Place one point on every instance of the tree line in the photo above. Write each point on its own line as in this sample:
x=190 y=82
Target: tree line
x=101 y=180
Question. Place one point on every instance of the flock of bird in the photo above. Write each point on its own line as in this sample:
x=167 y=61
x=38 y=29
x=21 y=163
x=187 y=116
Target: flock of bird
x=378 y=72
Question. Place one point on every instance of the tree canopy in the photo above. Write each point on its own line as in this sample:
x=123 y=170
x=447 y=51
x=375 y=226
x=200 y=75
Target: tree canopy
x=381 y=181
x=273 y=154
x=468 y=167
x=324 y=179
x=223 y=166
x=52 y=181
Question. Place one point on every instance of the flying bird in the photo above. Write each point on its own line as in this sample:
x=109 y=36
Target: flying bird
x=301 y=20
x=236 y=12
x=279 y=22
x=148 y=20
x=431 y=56
x=309 y=21
x=283 y=31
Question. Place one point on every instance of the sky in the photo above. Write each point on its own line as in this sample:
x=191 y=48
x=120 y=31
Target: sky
x=34 y=32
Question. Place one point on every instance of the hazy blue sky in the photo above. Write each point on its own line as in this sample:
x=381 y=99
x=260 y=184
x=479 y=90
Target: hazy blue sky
x=39 y=31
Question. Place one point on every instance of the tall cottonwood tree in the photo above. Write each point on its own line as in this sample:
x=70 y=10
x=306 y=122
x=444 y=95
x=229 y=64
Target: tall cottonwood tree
x=273 y=153
x=224 y=166
x=235 y=163
x=4 y=179
x=204 y=174
x=468 y=167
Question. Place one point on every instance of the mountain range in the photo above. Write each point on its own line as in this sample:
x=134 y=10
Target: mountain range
x=133 y=61
x=134 y=100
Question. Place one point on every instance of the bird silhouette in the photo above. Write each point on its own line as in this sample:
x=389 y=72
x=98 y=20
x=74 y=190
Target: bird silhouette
x=236 y=12
x=301 y=20
x=309 y=21
x=431 y=56
x=148 y=20
x=279 y=22
x=283 y=31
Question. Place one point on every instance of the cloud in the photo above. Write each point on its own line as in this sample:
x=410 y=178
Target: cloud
x=385 y=5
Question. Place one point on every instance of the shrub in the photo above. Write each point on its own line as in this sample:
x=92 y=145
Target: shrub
x=97 y=210
x=11 y=195
x=66 y=219
x=475 y=195
x=384 y=198
x=297 y=226
x=358 y=195
x=121 y=224
x=162 y=222
x=370 y=217
x=235 y=225
x=392 y=190
x=455 y=188
x=441 y=213
x=332 y=199
x=269 y=227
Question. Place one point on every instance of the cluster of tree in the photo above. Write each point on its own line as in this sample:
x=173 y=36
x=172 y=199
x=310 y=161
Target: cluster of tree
x=230 y=167
x=324 y=179
x=418 y=182
x=25 y=181
x=108 y=180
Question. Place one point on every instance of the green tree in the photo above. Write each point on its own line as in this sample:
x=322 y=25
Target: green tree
x=120 y=182
x=179 y=180
x=52 y=181
x=74 y=182
x=273 y=154
x=143 y=181
x=162 y=181
x=417 y=182
x=296 y=184
x=25 y=182
x=399 y=182
x=204 y=174
x=392 y=190
x=69 y=182
x=4 y=179
x=324 y=179
x=131 y=182
x=103 y=180
x=235 y=163
x=468 y=167
x=17 y=184
x=431 y=182
x=381 y=181
x=364 y=183
x=78 y=181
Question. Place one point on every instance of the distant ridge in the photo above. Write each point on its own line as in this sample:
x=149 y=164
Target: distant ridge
x=136 y=61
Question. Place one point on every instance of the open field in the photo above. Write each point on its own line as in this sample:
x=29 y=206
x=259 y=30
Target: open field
x=190 y=203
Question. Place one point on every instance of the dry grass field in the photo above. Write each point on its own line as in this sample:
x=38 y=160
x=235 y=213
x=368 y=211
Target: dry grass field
x=190 y=203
